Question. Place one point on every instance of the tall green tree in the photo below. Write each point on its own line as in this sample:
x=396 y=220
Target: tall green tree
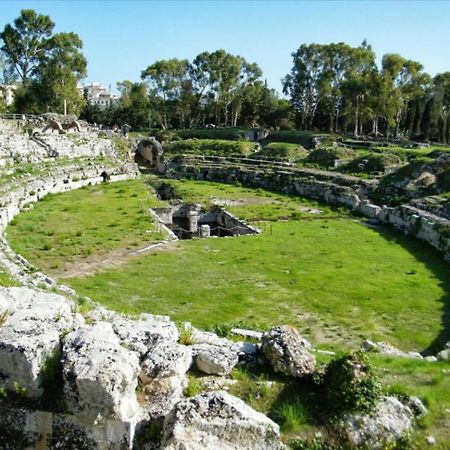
x=61 y=69
x=304 y=84
x=26 y=41
x=167 y=79
x=49 y=65
x=402 y=80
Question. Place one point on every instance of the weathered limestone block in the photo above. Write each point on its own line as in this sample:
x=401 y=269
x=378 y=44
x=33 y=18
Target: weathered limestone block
x=369 y=210
x=142 y=334
x=162 y=394
x=388 y=349
x=22 y=429
x=165 y=359
x=206 y=337
x=215 y=360
x=287 y=351
x=217 y=420
x=387 y=423
x=100 y=376
x=30 y=334
x=444 y=355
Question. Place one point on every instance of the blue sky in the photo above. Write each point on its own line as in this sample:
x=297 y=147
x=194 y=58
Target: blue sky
x=121 y=38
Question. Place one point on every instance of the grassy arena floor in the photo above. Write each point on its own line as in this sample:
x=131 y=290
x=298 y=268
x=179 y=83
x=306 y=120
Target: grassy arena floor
x=334 y=278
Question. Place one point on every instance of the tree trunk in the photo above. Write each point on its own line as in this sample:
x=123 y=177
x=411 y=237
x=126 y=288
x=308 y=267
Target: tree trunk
x=337 y=120
x=397 y=127
x=357 y=115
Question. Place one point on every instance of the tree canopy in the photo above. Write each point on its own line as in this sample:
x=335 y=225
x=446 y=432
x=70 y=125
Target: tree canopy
x=48 y=65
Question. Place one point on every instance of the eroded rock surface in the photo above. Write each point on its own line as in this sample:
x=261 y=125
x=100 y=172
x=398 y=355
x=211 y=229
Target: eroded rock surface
x=215 y=360
x=100 y=376
x=217 y=420
x=387 y=423
x=288 y=352
x=32 y=324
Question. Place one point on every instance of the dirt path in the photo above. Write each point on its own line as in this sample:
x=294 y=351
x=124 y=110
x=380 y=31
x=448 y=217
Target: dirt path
x=110 y=260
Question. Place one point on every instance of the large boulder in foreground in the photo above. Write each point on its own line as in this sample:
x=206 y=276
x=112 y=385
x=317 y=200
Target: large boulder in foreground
x=287 y=351
x=30 y=329
x=217 y=420
x=100 y=376
x=385 y=424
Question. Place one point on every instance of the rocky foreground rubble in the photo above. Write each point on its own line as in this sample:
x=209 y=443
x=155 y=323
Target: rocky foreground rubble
x=101 y=361
x=105 y=381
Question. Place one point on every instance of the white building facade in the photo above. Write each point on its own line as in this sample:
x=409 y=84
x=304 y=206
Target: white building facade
x=99 y=95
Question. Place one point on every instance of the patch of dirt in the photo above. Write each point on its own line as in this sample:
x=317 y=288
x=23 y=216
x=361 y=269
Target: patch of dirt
x=107 y=261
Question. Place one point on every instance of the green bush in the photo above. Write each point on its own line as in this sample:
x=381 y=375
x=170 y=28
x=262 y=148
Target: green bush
x=290 y=415
x=350 y=384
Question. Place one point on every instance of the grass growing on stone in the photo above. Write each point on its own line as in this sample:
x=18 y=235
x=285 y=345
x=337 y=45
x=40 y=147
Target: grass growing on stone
x=86 y=224
x=6 y=280
x=283 y=150
x=213 y=147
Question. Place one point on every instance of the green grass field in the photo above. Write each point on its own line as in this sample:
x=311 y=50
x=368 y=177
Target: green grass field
x=335 y=279
x=85 y=225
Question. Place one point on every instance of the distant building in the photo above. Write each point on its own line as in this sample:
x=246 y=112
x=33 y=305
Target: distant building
x=98 y=95
x=7 y=93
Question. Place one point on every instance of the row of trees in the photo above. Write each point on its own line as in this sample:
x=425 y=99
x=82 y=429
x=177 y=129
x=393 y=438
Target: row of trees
x=333 y=87
x=48 y=66
x=216 y=88
x=339 y=88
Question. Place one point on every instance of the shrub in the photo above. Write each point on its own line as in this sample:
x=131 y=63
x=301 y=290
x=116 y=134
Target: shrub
x=350 y=384
x=194 y=387
x=185 y=335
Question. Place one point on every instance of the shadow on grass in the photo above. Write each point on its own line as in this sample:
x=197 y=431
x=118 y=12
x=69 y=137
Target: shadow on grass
x=432 y=259
x=297 y=404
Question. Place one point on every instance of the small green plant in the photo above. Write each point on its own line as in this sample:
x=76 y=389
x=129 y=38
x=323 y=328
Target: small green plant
x=194 y=386
x=19 y=389
x=290 y=415
x=185 y=335
x=4 y=316
x=46 y=246
x=3 y=392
